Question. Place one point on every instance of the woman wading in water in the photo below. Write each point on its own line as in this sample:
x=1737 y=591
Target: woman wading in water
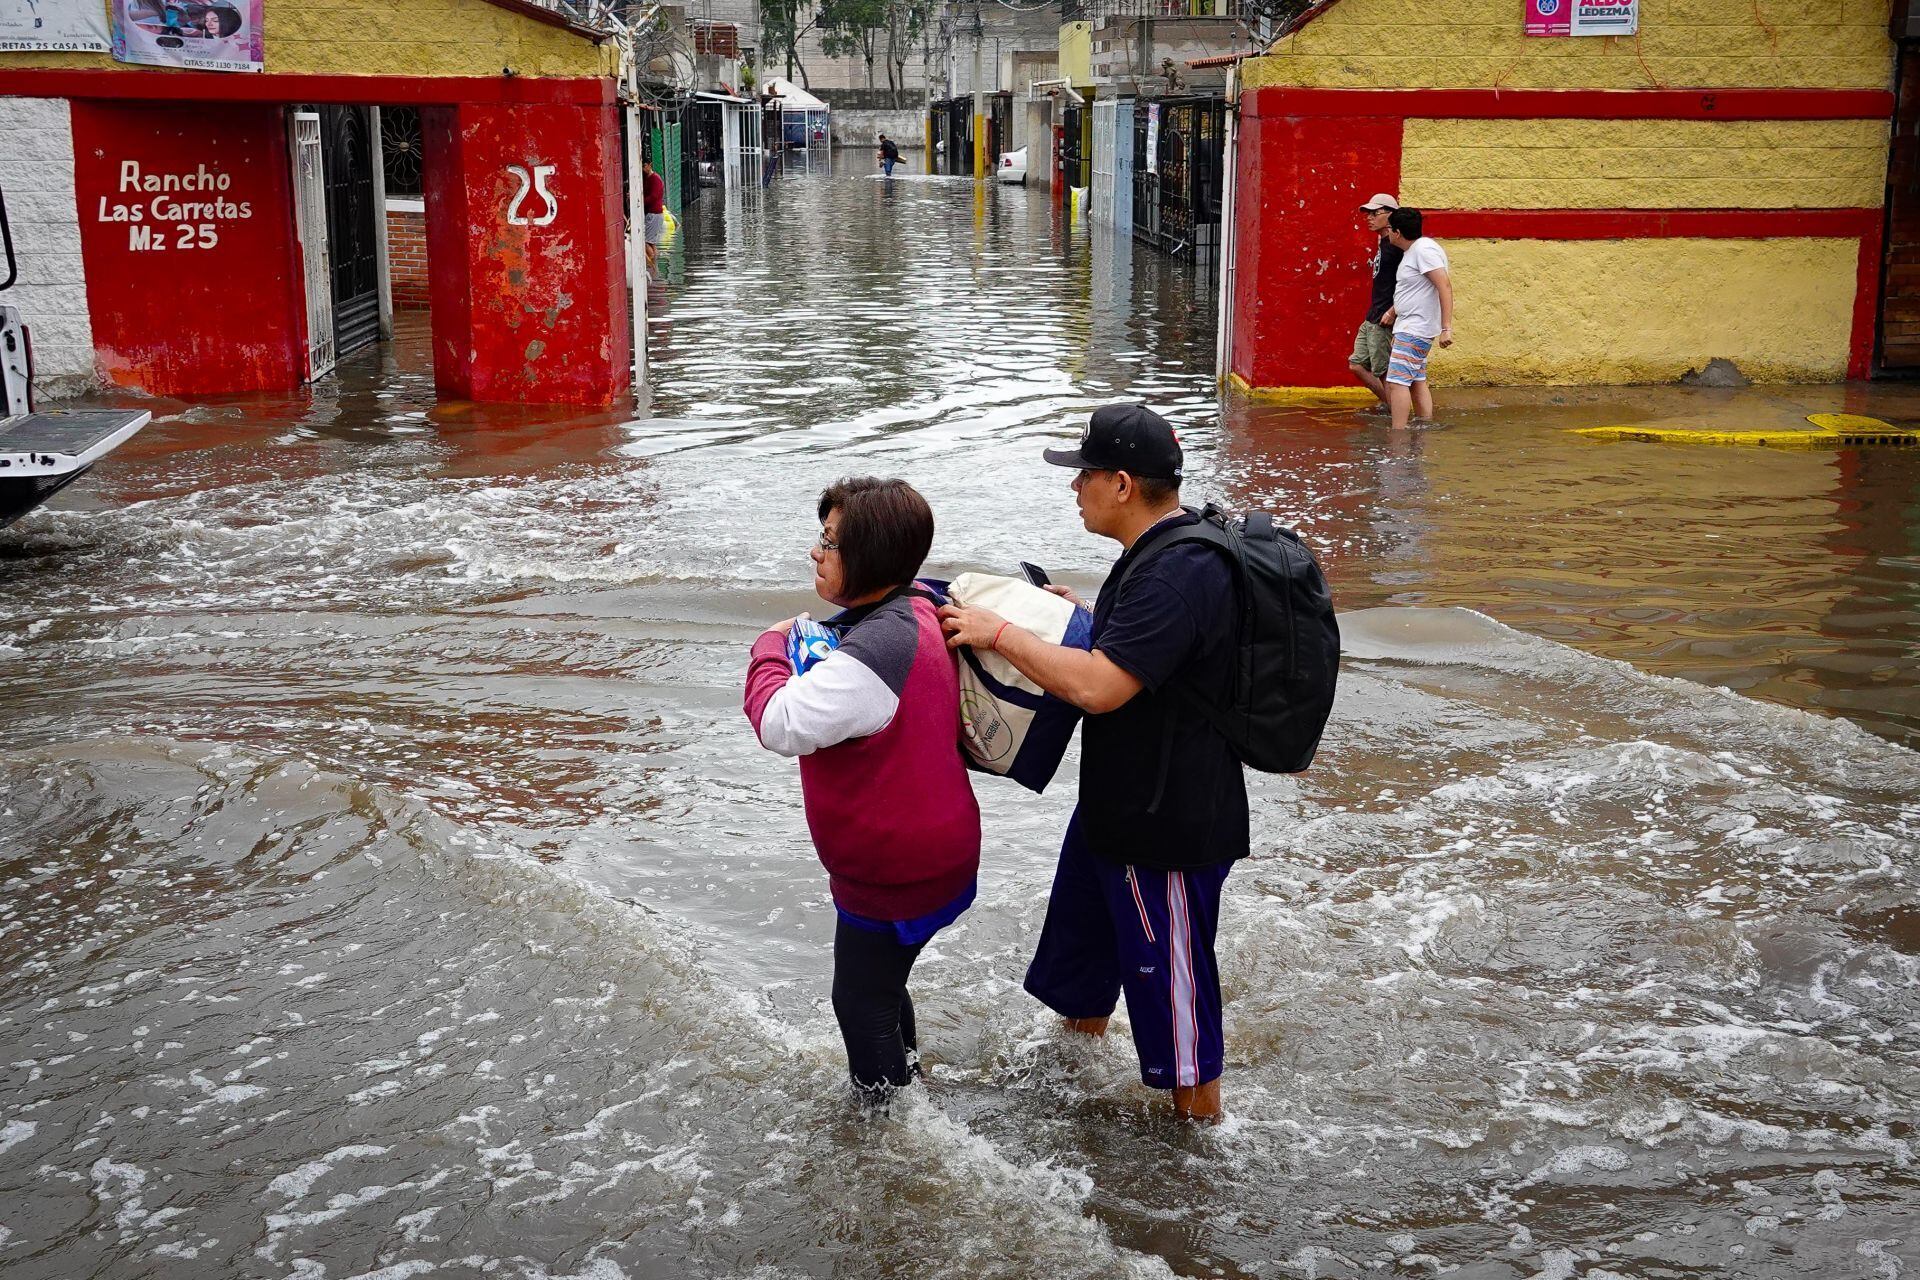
x=876 y=725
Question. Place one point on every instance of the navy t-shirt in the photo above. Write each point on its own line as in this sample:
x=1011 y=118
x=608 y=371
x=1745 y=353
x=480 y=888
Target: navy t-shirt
x=1386 y=265
x=1176 y=622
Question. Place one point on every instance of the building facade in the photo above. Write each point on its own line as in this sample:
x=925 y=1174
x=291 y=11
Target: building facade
x=1617 y=209
x=192 y=233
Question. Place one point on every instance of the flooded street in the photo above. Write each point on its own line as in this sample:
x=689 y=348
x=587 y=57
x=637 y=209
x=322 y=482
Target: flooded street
x=393 y=886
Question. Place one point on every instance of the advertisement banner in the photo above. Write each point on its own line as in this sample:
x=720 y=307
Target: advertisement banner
x=1605 y=17
x=205 y=35
x=53 y=26
x=1153 y=138
x=1549 y=17
x=1581 y=17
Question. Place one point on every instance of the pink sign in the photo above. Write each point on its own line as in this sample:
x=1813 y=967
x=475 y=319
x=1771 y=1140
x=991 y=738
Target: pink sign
x=1582 y=17
x=1549 y=17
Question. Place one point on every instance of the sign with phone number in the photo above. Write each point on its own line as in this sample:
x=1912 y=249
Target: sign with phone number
x=1582 y=17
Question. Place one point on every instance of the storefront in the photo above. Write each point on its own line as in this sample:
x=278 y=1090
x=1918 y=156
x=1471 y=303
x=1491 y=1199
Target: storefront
x=1618 y=208
x=190 y=232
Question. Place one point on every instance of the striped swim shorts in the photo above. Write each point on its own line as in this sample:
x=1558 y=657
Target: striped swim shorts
x=1408 y=363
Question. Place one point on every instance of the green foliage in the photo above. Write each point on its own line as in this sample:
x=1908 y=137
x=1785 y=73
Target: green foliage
x=848 y=26
x=782 y=24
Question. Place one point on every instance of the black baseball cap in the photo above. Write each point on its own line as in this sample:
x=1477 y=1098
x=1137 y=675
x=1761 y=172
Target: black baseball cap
x=1125 y=437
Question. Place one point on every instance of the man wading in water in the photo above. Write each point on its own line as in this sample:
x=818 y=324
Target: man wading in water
x=1163 y=800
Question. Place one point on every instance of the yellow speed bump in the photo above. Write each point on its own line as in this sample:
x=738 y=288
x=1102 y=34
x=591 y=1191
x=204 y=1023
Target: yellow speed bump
x=1831 y=431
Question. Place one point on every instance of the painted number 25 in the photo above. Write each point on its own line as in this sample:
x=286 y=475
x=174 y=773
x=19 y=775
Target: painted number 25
x=536 y=182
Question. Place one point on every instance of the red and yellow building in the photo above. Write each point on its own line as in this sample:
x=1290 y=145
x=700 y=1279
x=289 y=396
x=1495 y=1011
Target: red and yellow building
x=1617 y=209
x=168 y=221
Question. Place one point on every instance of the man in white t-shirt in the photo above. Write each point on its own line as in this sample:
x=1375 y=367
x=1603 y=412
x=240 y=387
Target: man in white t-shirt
x=1421 y=315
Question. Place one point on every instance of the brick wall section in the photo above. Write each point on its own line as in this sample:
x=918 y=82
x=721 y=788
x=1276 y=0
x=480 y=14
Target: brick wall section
x=36 y=172
x=407 y=259
x=1644 y=164
x=1379 y=44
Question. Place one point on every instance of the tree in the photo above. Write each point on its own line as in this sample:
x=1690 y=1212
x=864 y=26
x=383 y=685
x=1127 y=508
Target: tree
x=783 y=24
x=906 y=25
x=852 y=26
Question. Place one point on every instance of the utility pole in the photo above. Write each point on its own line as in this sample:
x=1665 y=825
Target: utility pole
x=979 y=100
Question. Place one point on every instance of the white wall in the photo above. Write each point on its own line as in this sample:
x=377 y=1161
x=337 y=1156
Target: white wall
x=855 y=127
x=36 y=173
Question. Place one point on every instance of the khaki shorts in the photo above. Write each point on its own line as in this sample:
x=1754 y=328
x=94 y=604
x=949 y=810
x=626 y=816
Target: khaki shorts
x=1372 y=345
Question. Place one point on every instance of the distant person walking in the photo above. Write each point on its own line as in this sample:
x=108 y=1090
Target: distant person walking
x=1373 y=341
x=1421 y=314
x=653 y=194
x=889 y=155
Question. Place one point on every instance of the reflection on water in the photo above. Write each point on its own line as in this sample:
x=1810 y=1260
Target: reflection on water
x=392 y=886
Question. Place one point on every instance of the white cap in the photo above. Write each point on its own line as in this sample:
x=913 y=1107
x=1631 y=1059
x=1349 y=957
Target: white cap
x=1380 y=200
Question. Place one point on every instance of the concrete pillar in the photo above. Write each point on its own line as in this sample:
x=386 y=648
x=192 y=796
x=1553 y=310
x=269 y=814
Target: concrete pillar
x=193 y=276
x=524 y=230
x=1303 y=268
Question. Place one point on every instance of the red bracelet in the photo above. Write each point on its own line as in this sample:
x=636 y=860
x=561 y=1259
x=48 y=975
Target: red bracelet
x=994 y=644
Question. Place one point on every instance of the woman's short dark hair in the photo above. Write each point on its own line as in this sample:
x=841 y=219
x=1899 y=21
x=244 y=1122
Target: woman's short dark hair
x=1407 y=222
x=886 y=529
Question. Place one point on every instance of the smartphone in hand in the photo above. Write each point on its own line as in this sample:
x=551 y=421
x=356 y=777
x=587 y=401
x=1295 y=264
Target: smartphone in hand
x=1035 y=574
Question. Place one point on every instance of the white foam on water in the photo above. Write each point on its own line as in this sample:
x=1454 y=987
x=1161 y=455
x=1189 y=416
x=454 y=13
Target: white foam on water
x=298 y=1182
x=17 y=1132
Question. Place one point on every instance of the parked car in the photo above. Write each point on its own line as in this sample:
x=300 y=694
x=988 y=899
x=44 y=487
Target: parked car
x=1013 y=166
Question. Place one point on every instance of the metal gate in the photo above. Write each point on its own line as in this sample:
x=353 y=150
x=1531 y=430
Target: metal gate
x=1073 y=168
x=1101 y=199
x=1121 y=194
x=1177 y=175
x=310 y=221
x=352 y=244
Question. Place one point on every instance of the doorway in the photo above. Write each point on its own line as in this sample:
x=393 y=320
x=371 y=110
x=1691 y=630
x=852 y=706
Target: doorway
x=1900 y=279
x=352 y=244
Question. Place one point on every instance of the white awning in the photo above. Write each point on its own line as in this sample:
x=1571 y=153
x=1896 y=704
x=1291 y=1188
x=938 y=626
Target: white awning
x=792 y=96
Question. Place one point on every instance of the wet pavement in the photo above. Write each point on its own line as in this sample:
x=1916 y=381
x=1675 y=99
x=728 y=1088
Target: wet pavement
x=392 y=886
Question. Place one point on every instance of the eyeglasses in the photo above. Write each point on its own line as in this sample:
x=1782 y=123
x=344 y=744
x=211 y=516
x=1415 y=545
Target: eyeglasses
x=825 y=543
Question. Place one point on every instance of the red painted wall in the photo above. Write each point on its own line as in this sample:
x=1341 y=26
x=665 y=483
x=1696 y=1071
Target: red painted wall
x=1303 y=270
x=186 y=228
x=524 y=312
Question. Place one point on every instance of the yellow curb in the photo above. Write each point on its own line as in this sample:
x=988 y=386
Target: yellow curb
x=1832 y=431
x=1299 y=395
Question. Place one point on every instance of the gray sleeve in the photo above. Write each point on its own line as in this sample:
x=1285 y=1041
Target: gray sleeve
x=885 y=642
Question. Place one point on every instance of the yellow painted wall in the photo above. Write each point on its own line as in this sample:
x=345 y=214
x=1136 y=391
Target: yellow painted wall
x=1570 y=312
x=1375 y=44
x=380 y=37
x=1076 y=53
x=1644 y=164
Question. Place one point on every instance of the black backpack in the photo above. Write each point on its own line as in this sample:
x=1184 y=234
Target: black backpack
x=1289 y=643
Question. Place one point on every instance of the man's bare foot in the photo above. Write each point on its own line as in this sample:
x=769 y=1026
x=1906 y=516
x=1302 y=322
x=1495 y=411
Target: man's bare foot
x=1199 y=1103
x=1088 y=1026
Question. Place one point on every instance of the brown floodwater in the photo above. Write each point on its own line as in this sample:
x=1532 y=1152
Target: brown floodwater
x=390 y=885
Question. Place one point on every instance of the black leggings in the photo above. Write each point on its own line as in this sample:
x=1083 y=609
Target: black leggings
x=870 y=999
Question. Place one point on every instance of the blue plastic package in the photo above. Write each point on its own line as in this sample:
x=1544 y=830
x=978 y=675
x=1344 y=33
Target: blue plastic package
x=808 y=643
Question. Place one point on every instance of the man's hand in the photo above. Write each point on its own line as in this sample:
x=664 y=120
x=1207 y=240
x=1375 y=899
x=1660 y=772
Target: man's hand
x=1066 y=594
x=1446 y=337
x=784 y=628
x=970 y=626
x=1388 y=317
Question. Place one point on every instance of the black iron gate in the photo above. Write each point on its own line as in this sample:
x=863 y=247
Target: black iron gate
x=1073 y=170
x=351 y=242
x=1177 y=208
